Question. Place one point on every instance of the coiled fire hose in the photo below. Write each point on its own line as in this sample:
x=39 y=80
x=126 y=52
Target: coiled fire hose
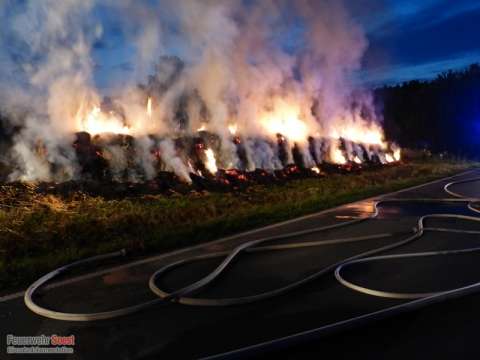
x=183 y=296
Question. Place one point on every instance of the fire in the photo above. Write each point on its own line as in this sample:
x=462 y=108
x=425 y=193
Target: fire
x=231 y=86
x=211 y=163
x=360 y=133
x=285 y=120
x=316 y=170
x=397 y=154
x=233 y=129
x=98 y=122
x=338 y=157
x=149 y=107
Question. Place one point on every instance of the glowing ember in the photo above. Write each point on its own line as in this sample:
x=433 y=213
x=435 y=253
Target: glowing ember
x=357 y=160
x=97 y=122
x=211 y=163
x=389 y=158
x=316 y=170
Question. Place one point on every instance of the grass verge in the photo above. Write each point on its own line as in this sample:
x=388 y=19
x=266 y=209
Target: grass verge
x=47 y=231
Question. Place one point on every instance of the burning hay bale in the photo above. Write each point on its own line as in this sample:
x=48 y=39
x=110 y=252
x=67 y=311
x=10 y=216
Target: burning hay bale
x=114 y=154
x=115 y=165
x=238 y=107
x=108 y=164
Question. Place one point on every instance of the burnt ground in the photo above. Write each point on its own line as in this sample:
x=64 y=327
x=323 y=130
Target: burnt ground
x=167 y=183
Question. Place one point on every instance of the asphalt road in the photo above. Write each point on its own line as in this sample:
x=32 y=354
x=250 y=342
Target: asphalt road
x=179 y=331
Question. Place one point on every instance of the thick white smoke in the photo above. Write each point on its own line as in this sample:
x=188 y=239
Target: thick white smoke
x=264 y=67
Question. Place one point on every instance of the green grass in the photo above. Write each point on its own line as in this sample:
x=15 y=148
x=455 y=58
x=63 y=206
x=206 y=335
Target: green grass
x=39 y=233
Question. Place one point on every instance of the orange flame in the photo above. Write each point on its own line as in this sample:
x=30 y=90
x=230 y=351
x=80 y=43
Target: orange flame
x=211 y=163
x=337 y=156
x=233 y=128
x=149 y=107
x=397 y=154
x=285 y=120
x=97 y=122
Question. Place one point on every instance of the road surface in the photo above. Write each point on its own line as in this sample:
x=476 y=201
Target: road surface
x=180 y=331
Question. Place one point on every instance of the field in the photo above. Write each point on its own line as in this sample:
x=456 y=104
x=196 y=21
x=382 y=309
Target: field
x=40 y=232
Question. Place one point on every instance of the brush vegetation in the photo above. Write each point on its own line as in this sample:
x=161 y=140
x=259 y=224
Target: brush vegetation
x=41 y=232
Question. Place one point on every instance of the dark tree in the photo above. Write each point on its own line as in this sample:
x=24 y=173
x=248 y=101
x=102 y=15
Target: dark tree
x=442 y=114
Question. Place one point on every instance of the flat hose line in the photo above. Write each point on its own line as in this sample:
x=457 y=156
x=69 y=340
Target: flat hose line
x=184 y=295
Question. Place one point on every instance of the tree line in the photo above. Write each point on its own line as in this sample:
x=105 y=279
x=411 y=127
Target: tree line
x=442 y=115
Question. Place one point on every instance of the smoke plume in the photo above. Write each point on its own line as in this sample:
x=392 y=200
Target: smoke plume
x=238 y=74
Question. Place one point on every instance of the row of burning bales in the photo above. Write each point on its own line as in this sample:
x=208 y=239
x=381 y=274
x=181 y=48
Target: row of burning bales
x=200 y=155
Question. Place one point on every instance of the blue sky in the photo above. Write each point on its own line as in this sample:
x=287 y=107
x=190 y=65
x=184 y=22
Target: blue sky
x=417 y=39
x=408 y=39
